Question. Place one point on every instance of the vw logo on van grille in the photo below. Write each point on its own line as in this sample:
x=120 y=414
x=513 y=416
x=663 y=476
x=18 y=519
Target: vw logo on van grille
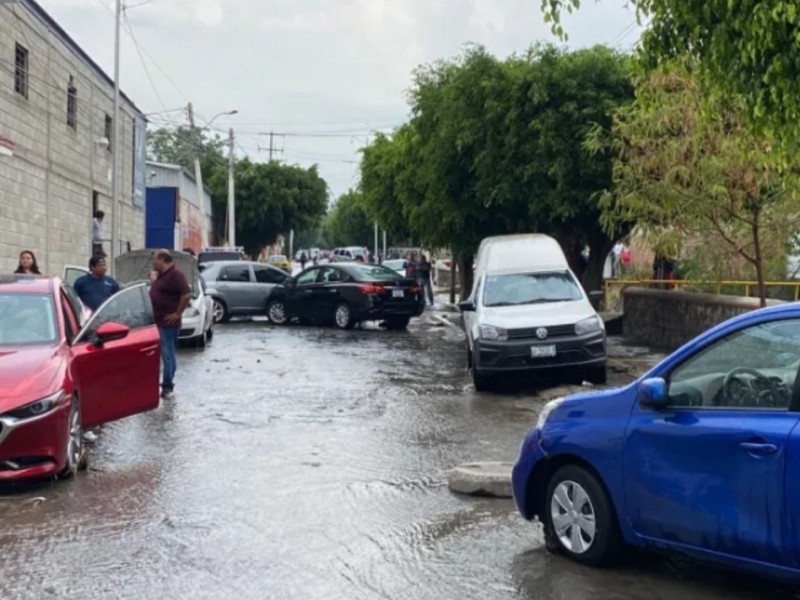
x=541 y=333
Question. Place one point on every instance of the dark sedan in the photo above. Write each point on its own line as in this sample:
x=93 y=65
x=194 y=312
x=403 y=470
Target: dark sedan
x=346 y=294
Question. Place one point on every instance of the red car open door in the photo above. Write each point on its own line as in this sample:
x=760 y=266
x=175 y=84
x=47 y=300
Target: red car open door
x=116 y=359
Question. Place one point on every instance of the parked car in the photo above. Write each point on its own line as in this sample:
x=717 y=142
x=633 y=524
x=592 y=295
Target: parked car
x=527 y=312
x=351 y=253
x=131 y=268
x=396 y=265
x=347 y=294
x=279 y=261
x=240 y=288
x=216 y=254
x=698 y=457
x=58 y=377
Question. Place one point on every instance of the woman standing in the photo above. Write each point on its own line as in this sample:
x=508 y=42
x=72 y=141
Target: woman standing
x=28 y=264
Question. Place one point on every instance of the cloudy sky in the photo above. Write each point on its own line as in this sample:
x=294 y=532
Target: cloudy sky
x=325 y=72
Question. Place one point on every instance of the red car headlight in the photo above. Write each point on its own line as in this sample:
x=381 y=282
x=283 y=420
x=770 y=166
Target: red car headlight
x=38 y=408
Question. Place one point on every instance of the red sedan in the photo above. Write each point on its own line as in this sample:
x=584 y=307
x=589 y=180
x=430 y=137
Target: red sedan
x=58 y=375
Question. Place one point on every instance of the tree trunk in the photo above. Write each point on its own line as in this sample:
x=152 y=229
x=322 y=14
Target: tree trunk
x=465 y=274
x=453 y=278
x=759 y=262
x=598 y=252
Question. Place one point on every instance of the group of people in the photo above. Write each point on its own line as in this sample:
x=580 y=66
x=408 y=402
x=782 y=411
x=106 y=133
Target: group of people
x=419 y=269
x=170 y=295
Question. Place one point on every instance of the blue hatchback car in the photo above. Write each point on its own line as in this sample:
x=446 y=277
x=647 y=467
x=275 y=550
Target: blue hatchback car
x=701 y=456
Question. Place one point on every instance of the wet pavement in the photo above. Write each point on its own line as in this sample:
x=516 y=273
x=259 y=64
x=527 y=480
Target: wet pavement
x=310 y=463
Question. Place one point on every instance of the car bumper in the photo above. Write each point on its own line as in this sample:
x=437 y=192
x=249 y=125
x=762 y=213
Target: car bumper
x=376 y=309
x=35 y=447
x=191 y=327
x=522 y=475
x=515 y=355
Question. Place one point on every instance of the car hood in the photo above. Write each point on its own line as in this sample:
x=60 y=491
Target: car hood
x=536 y=315
x=28 y=374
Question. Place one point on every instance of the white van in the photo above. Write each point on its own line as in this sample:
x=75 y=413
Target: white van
x=527 y=311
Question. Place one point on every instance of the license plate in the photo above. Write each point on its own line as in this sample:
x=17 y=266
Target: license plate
x=397 y=293
x=543 y=351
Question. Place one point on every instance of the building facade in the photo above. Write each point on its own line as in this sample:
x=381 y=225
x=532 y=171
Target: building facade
x=178 y=217
x=56 y=130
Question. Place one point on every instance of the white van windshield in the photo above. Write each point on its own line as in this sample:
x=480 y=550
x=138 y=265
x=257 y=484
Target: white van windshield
x=530 y=288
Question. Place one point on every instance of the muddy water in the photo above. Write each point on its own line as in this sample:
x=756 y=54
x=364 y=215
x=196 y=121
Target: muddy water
x=309 y=463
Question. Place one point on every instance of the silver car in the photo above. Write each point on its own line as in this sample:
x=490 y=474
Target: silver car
x=240 y=288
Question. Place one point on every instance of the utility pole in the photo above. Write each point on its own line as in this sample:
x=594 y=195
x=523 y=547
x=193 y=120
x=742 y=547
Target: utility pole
x=115 y=179
x=377 y=250
x=272 y=146
x=231 y=207
x=384 y=244
x=198 y=175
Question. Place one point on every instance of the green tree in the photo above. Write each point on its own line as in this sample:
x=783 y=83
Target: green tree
x=747 y=48
x=496 y=147
x=697 y=170
x=273 y=198
x=348 y=223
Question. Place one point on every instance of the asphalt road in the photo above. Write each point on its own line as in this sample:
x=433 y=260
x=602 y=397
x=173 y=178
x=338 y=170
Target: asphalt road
x=310 y=463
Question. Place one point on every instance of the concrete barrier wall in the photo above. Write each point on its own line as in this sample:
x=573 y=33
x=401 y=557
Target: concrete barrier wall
x=668 y=319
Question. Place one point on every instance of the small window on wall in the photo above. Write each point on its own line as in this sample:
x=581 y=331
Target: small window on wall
x=108 y=131
x=21 y=70
x=72 y=104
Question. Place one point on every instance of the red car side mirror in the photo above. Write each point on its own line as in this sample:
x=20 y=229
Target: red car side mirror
x=108 y=332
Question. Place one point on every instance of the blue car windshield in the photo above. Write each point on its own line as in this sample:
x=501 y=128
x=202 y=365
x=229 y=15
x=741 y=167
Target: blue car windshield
x=530 y=288
x=26 y=320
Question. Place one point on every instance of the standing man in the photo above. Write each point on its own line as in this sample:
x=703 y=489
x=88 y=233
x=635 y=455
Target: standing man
x=97 y=234
x=169 y=295
x=95 y=288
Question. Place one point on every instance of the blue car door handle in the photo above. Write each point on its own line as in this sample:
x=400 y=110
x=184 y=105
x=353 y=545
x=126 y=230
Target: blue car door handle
x=760 y=449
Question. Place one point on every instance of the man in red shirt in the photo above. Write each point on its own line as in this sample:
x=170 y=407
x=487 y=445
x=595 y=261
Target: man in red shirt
x=169 y=295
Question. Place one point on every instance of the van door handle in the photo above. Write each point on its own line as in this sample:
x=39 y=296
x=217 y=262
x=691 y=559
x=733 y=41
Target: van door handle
x=759 y=449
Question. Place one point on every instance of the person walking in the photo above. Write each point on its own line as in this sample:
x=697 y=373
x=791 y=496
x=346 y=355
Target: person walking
x=303 y=260
x=424 y=279
x=27 y=264
x=96 y=287
x=97 y=234
x=411 y=266
x=169 y=295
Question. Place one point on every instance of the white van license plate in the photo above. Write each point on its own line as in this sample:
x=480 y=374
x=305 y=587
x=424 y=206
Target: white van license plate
x=543 y=351
x=397 y=293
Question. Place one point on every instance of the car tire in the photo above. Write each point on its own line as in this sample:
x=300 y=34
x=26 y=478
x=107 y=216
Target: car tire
x=398 y=323
x=210 y=334
x=276 y=313
x=597 y=375
x=579 y=518
x=76 y=450
x=343 y=317
x=201 y=340
x=220 y=311
x=481 y=381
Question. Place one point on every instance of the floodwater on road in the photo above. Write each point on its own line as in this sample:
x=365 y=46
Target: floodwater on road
x=310 y=463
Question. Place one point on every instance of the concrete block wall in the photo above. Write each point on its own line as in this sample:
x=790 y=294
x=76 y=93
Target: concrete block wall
x=667 y=319
x=46 y=187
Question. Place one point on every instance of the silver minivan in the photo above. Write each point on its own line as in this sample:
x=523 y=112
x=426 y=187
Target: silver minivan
x=527 y=311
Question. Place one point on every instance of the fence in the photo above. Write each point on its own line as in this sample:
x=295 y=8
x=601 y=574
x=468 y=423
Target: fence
x=786 y=290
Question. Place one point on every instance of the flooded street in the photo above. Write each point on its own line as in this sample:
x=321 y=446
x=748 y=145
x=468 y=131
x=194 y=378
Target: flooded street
x=310 y=463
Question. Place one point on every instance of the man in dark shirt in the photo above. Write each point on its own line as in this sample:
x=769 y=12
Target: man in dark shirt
x=95 y=288
x=169 y=295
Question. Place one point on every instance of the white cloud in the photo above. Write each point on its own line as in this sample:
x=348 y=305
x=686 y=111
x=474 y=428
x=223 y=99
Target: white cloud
x=338 y=66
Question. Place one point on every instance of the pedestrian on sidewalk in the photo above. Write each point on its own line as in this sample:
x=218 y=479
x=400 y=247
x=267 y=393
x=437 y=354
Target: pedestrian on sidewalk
x=303 y=260
x=96 y=287
x=411 y=266
x=169 y=295
x=97 y=234
x=27 y=264
x=424 y=279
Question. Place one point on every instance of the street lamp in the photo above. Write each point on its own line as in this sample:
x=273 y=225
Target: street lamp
x=198 y=173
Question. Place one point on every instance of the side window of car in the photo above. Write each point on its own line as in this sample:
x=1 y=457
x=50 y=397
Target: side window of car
x=240 y=274
x=130 y=307
x=308 y=277
x=268 y=275
x=332 y=276
x=74 y=302
x=754 y=368
x=71 y=326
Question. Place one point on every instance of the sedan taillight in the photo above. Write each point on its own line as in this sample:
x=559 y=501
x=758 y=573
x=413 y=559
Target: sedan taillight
x=371 y=290
x=416 y=289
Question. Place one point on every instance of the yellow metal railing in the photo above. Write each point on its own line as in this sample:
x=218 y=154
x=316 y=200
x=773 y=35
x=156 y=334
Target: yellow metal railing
x=613 y=287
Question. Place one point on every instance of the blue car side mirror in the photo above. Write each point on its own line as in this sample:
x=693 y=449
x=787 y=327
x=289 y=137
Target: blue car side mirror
x=653 y=393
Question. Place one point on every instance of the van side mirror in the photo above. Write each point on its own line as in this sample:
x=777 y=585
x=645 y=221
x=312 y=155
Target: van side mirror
x=466 y=306
x=653 y=393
